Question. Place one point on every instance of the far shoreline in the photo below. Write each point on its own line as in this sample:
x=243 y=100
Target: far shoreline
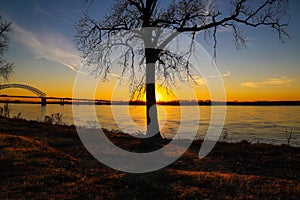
x=165 y=103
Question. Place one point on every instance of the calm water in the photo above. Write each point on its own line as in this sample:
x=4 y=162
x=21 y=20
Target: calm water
x=268 y=124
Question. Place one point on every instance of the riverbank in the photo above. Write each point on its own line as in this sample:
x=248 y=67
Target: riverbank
x=42 y=161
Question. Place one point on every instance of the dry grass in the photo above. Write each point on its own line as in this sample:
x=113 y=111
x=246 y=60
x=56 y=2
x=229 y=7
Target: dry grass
x=40 y=161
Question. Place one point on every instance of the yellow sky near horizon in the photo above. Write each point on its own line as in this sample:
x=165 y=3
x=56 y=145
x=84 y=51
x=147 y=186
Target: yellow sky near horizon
x=280 y=89
x=238 y=85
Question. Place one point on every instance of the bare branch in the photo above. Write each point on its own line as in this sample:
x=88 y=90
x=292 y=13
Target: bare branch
x=139 y=5
x=5 y=68
x=95 y=39
x=136 y=30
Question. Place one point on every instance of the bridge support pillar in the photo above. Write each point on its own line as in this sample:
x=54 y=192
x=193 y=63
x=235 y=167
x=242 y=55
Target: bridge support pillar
x=62 y=101
x=43 y=101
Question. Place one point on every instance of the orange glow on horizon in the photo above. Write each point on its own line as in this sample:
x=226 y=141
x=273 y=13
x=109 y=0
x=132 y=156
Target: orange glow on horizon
x=163 y=94
x=234 y=92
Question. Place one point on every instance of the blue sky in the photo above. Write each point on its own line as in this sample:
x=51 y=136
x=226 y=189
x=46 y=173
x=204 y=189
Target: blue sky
x=41 y=46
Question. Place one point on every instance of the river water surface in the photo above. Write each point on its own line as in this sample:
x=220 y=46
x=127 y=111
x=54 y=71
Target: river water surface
x=268 y=124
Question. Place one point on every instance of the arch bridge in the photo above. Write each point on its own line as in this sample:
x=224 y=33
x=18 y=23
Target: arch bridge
x=26 y=87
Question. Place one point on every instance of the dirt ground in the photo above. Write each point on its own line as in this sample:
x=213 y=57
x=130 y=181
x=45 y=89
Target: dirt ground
x=41 y=161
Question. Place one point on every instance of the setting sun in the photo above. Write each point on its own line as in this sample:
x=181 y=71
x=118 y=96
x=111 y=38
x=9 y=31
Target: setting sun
x=163 y=94
x=159 y=97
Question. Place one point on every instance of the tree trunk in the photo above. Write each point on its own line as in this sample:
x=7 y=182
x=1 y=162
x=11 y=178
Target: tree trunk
x=152 y=119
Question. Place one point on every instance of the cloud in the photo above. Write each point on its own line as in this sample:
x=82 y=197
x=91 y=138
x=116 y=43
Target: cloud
x=39 y=9
x=53 y=47
x=225 y=74
x=57 y=11
x=281 y=81
x=202 y=81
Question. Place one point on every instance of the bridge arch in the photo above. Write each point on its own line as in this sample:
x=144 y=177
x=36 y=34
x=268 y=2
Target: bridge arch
x=23 y=86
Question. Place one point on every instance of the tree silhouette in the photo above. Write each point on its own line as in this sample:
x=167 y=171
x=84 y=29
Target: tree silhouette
x=5 y=67
x=147 y=20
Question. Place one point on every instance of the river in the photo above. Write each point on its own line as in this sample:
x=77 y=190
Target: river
x=266 y=124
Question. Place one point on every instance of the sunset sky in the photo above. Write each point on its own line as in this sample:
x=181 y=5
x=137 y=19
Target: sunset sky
x=42 y=48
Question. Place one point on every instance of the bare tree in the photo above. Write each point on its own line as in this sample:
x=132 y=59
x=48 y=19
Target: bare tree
x=5 y=67
x=146 y=20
